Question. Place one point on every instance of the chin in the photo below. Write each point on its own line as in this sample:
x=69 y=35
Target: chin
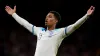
x=46 y=25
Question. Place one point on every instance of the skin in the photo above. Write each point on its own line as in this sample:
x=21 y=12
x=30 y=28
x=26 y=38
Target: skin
x=50 y=21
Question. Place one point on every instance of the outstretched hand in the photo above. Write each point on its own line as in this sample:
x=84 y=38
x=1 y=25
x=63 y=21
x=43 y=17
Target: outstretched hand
x=90 y=10
x=9 y=10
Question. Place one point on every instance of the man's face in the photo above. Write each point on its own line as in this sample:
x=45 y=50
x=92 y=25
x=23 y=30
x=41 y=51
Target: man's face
x=50 y=20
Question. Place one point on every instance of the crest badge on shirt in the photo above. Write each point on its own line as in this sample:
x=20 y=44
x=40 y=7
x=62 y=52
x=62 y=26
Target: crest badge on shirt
x=50 y=33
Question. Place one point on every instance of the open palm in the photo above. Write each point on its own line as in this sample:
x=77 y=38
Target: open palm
x=9 y=10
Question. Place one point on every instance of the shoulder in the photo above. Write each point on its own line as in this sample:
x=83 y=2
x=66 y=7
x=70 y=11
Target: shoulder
x=38 y=28
x=42 y=29
x=60 y=29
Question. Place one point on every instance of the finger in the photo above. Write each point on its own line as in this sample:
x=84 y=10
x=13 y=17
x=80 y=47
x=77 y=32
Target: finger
x=6 y=10
x=5 y=7
x=93 y=8
x=9 y=8
x=15 y=7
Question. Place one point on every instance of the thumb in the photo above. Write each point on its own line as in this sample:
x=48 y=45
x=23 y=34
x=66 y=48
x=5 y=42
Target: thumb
x=15 y=8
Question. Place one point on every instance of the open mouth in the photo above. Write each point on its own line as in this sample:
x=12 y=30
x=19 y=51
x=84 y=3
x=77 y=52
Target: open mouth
x=46 y=22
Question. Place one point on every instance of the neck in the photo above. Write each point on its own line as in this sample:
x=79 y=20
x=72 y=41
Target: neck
x=51 y=27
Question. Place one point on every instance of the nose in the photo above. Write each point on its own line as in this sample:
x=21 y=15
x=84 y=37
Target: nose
x=46 y=19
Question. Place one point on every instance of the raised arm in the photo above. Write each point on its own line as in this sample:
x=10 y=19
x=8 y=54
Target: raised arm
x=79 y=22
x=20 y=20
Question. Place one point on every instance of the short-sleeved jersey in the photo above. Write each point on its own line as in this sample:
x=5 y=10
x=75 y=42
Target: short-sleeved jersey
x=48 y=42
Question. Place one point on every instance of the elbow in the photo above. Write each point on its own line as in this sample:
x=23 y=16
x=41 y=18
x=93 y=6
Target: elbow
x=75 y=26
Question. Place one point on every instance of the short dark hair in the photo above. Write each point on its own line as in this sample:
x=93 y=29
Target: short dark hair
x=57 y=15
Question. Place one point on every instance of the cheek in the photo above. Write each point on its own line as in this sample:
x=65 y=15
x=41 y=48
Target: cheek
x=51 y=21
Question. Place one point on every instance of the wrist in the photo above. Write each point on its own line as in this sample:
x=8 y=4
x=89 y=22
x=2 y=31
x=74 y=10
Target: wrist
x=13 y=13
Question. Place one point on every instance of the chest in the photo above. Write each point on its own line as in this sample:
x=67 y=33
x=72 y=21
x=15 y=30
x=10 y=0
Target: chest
x=46 y=35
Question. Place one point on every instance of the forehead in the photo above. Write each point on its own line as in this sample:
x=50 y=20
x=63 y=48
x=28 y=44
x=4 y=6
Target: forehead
x=50 y=14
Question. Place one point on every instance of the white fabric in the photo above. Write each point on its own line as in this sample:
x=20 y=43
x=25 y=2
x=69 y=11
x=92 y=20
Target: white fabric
x=48 y=42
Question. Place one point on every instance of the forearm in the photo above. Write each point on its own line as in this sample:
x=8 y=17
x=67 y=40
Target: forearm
x=78 y=23
x=71 y=28
x=22 y=22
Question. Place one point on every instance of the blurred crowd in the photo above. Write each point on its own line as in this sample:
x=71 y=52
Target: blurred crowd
x=22 y=43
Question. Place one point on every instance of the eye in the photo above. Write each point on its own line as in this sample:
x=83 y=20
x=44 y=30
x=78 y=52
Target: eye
x=50 y=16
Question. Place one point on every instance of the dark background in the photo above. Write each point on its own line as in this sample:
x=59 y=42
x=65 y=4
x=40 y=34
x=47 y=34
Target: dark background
x=15 y=40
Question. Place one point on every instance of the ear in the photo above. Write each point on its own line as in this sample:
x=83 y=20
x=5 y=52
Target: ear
x=56 y=21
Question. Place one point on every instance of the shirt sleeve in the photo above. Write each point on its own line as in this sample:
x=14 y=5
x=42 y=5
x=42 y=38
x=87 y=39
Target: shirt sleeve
x=22 y=22
x=65 y=31
x=35 y=30
x=71 y=28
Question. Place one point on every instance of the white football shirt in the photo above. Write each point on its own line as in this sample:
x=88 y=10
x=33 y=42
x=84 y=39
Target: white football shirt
x=48 y=42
